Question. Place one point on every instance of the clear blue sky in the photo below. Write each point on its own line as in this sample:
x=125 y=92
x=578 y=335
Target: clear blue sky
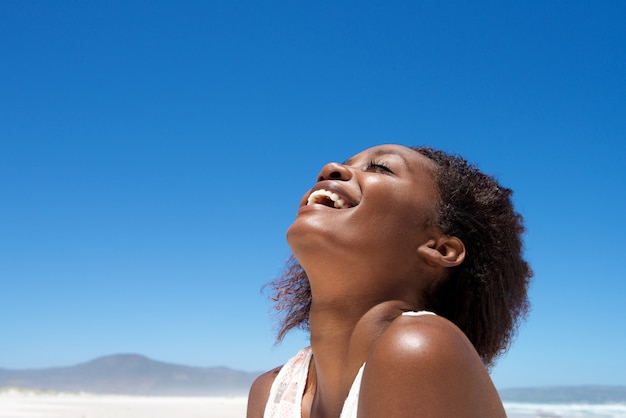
x=154 y=153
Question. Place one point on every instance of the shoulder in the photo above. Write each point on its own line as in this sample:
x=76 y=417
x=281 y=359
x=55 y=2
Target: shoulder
x=260 y=392
x=424 y=337
x=426 y=364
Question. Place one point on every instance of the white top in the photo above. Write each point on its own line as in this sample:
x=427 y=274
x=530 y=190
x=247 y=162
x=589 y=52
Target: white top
x=285 y=400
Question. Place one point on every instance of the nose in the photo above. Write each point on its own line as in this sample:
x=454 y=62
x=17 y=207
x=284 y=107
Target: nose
x=335 y=171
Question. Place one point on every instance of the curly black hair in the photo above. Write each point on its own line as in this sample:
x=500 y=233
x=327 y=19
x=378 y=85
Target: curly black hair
x=486 y=295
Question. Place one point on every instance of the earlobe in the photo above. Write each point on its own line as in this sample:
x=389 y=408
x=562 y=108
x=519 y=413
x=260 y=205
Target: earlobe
x=444 y=251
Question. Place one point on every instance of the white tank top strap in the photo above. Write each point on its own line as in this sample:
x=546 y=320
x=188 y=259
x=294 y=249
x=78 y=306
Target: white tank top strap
x=417 y=313
x=285 y=399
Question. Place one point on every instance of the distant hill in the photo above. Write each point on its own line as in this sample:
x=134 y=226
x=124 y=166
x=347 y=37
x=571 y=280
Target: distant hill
x=132 y=374
x=566 y=394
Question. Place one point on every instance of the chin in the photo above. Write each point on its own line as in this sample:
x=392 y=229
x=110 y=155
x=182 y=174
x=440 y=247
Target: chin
x=308 y=232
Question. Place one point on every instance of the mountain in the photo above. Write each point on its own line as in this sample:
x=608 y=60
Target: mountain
x=566 y=394
x=132 y=374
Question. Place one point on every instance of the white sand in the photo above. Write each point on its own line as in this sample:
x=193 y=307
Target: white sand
x=19 y=404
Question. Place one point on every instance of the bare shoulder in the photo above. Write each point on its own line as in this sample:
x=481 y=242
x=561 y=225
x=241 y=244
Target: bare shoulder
x=260 y=392
x=426 y=366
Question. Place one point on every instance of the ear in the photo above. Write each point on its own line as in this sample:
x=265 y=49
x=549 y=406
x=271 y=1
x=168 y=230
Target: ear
x=444 y=251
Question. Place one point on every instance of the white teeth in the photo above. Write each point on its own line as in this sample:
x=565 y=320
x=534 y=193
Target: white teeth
x=337 y=201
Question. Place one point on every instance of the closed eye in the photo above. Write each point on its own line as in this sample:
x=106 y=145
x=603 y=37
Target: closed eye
x=379 y=166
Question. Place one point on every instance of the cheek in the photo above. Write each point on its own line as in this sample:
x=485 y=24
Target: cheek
x=402 y=204
x=396 y=223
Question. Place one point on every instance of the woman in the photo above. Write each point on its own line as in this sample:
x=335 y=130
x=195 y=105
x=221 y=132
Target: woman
x=408 y=273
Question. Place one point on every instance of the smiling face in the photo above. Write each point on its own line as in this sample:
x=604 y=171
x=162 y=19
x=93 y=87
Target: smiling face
x=367 y=217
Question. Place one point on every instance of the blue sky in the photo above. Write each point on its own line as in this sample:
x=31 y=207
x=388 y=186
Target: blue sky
x=154 y=153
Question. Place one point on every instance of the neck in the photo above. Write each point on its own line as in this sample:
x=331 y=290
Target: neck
x=341 y=338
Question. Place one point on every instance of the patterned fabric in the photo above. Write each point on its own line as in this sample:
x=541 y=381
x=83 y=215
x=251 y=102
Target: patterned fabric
x=285 y=400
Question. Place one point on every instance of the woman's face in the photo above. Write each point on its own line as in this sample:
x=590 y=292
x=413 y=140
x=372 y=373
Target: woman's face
x=368 y=215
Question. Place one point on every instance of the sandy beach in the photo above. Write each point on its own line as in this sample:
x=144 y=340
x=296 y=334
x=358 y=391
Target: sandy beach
x=17 y=404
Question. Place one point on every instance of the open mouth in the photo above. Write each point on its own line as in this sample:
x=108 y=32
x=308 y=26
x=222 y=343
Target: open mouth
x=326 y=198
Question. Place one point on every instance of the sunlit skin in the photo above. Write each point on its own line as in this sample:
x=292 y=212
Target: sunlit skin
x=367 y=263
